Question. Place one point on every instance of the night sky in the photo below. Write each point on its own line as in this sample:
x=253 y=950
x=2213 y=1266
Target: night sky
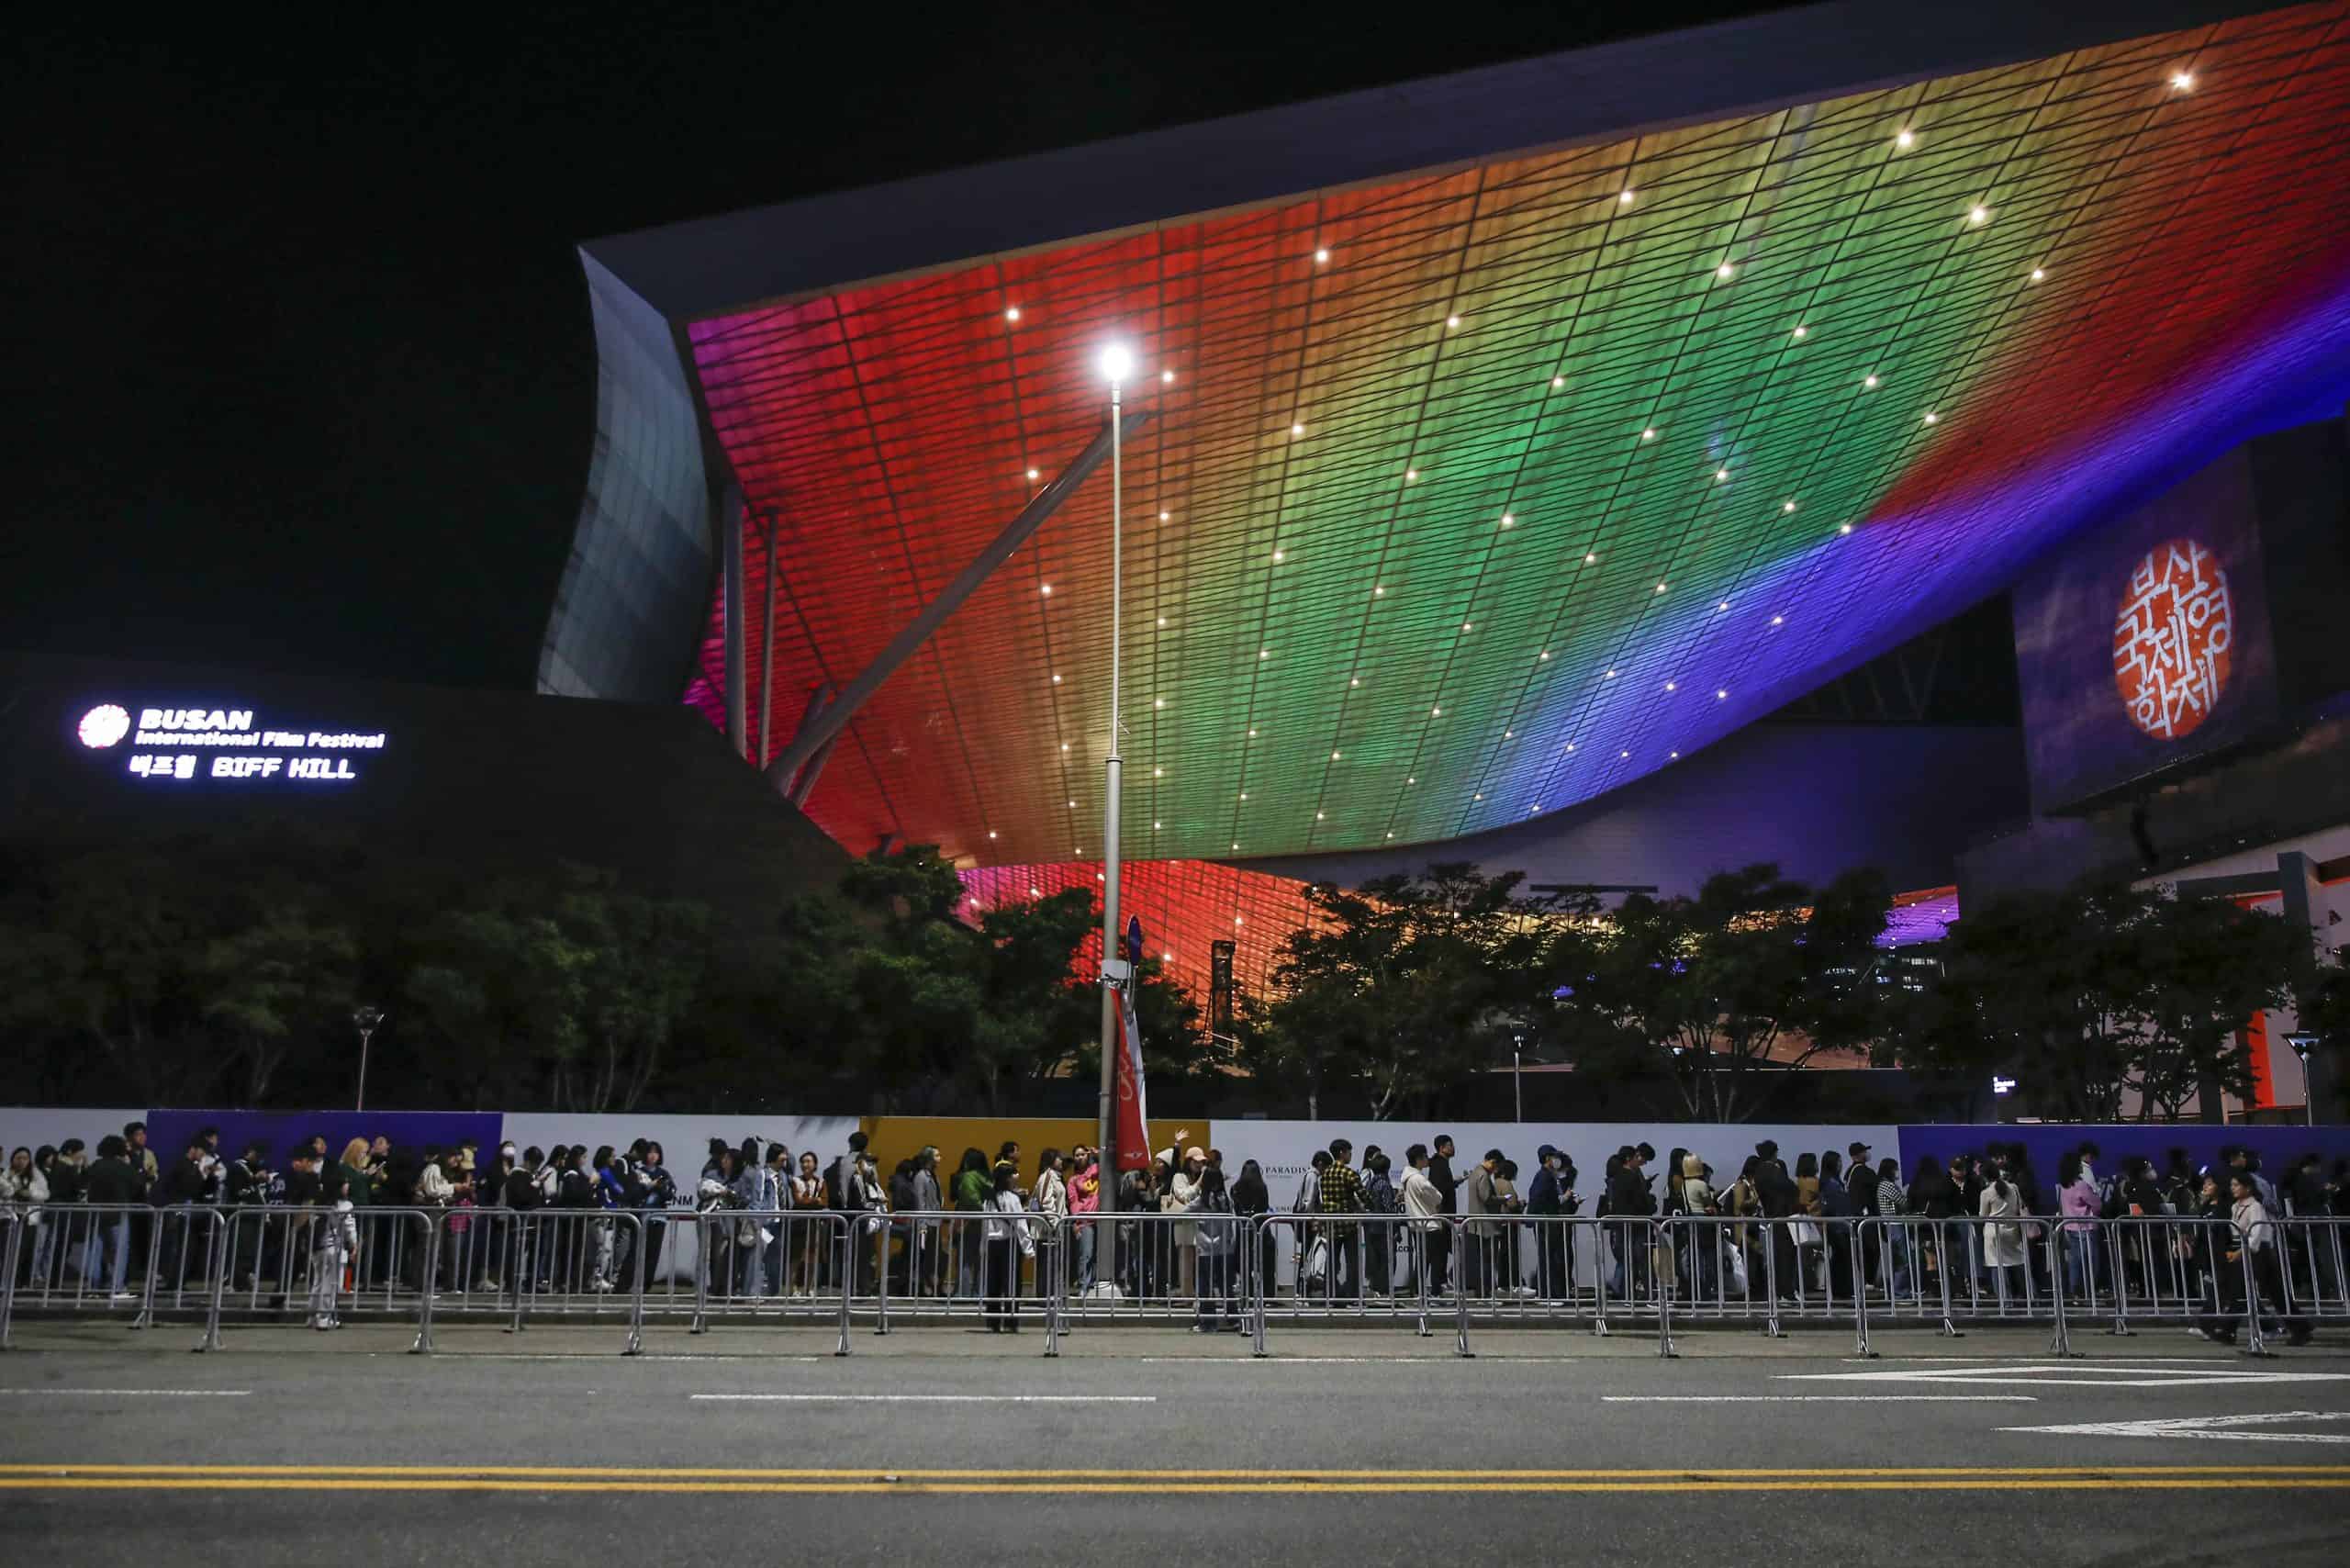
x=298 y=340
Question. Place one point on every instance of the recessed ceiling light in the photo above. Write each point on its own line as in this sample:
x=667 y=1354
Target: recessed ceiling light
x=1868 y=381
x=1278 y=555
x=1452 y=322
x=1158 y=701
x=1648 y=434
x=1844 y=527
x=2182 y=80
x=1411 y=475
x=1333 y=756
x=1720 y=696
x=1668 y=686
x=1468 y=625
x=1252 y=733
x=1072 y=805
x=1672 y=754
x=1624 y=198
x=1012 y=313
x=1659 y=587
x=1235 y=844
x=1318 y=816
x=1411 y=780
x=1035 y=892
x=1244 y=794
x=1904 y=138
x=1047 y=589
x=1799 y=332
x=1297 y=429
x=1611 y=674
x=1322 y=257
x=1978 y=214
x=1571 y=745
x=1163 y=516
x=1723 y=605
x=1545 y=654
x=1589 y=559
x=1155 y=827
x=1479 y=797
x=1624 y=753
x=1436 y=712
x=1557 y=381
x=1377 y=591
x=1720 y=474
x=1723 y=271
x=1778 y=620
x=1237 y=921
x=1032 y=473
x=2038 y=273
x=1509 y=734
x=1159 y=773
x=1163 y=620
x=1354 y=681
x=1264 y=652
x=1165 y=375
x=1064 y=746
x=1931 y=418
x=1789 y=507
x=1390 y=835
x=1507 y=520
x=1056 y=680
x=991 y=833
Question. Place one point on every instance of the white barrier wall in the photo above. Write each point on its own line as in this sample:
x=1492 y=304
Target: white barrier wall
x=30 y=1127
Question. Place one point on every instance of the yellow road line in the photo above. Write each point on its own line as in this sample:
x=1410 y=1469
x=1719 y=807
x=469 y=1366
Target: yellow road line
x=1262 y=1472
x=2260 y=1480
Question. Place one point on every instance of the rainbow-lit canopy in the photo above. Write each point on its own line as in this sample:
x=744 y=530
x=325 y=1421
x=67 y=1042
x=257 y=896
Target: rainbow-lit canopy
x=1475 y=492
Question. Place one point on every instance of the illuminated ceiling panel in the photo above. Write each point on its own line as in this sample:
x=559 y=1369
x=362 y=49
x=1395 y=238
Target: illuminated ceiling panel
x=1472 y=495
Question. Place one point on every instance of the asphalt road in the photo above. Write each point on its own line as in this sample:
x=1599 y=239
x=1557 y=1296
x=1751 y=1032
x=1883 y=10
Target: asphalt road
x=945 y=1446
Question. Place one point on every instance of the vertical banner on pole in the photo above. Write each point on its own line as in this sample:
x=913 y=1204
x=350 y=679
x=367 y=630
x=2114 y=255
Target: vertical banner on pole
x=1134 y=1141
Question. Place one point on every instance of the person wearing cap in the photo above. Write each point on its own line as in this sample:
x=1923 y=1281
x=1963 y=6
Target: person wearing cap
x=1480 y=1197
x=1181 y=1186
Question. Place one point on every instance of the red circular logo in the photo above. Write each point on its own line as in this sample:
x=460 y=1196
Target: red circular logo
x=2171 y=639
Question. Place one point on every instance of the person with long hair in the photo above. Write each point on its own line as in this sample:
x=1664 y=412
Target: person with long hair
x=2002 y=1246
x=1252 y=1197
x=2077 y=1202
x=1214 y=1234
x=1007 y=1241
x=807 y=1245
x=971 y=1189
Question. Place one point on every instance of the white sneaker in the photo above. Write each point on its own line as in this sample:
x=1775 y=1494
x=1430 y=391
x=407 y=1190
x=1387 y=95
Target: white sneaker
x=124 y=1296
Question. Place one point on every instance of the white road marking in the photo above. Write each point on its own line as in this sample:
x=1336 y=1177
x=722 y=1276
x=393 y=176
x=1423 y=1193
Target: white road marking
x=1815 y=1399
x=136 y=1393
x=2143 y=1375
x=939 y=1398
x=2225 y=1428
x=1427 y=1361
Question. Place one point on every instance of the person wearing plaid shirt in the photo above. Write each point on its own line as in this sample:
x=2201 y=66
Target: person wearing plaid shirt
x=1342 y=1193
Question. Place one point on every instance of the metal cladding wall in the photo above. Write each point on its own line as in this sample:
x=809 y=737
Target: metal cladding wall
x=639 y=573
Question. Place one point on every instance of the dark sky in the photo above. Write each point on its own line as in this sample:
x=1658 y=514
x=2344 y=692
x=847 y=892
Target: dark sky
x=297 y=331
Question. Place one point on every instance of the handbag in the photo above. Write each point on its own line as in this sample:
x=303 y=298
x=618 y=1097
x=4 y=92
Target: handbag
x=1807 y=1234
x=1734 y=1267
x=1318 y=1260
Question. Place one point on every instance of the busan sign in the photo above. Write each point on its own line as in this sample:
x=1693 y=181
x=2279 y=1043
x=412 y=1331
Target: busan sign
x=2171 y=639
x=174 y=743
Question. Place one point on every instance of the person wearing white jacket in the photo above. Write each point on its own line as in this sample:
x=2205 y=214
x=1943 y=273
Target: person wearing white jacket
x=2003 y=1244
x=1008 y=1240
x=1424 y=1204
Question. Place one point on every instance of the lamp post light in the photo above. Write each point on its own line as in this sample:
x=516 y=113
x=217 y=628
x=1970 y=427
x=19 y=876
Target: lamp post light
x=2302 y=1044
x=1117 y=362
x=366 y=1020
x=1517 y=1075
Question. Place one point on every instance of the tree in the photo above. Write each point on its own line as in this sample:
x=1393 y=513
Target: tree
x=1753 y=978
x=282 y=979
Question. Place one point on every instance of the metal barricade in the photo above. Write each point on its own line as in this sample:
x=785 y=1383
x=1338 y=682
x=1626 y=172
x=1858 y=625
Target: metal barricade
x=1151 y=1266
x=111 y=1259
x=936 y=1265
x=1759 y=1269
x=742 y=1266
x=13 y=1225
x=1354 y=1268
x=1918 y=1270
x=2314 y=1262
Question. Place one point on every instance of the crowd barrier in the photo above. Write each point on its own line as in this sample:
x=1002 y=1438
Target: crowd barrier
x=1215 y=1272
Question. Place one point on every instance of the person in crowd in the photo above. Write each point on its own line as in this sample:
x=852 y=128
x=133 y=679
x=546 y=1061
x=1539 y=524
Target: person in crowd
x=333 y=1234
x=1049 y=1199
x=113 y=1181
x=973 y=1188
x=870 y=1206
x=1892 y=1205
x=1214 y=1237
x=2002 y=1244
x=24 y=1190
x=930 y=1256
x=1548 y=1198
x=1252 y=1199
x=1478 y=1196
x=717 y=1202
x=1426 y=1234
x=1182 y=1185
x=2078 y=1204
x=1705 y=1248
x=775 y=1198
x=1836 y=1221
x=808 y=1243
x=1380 y=1201
x=1084 y=1203
x=1448 y=1187
x=1341 y=1191
x=2255 y=1236
x=1629 y=1207
x=753 y=1198
x=656 y=1195
x=1007 y=1241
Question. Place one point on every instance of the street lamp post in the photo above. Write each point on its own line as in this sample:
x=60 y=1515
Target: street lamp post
x=1118 y=363
x=366 y=1020
x=2302 y=1044
x=1518 y=1075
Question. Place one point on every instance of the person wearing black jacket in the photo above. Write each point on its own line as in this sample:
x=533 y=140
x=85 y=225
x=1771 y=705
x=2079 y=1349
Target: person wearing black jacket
x=186 y=1183
x=1629 y=1202
x=1448 y=1187
x=523 y=1195
x=247 y=1186
x=113 y=1181
x=1552 y=1194
x=1780 y=1200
